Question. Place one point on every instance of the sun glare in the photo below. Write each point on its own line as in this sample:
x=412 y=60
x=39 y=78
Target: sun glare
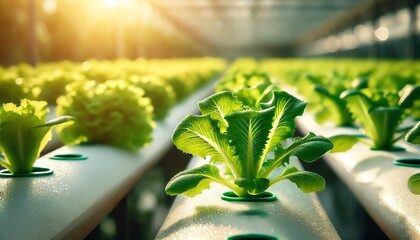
x=110 y=3
x=49 y=6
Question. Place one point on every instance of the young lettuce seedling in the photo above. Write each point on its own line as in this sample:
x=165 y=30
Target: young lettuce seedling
x=248 y=144
x=24 y=133
x=379 y=114
x=330 y=106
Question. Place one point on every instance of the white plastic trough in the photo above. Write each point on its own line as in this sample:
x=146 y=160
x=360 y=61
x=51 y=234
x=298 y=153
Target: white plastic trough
x=294 y=215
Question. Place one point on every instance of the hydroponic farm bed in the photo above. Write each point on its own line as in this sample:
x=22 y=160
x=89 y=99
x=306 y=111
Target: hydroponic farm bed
x=80 y=193
x=294 y=215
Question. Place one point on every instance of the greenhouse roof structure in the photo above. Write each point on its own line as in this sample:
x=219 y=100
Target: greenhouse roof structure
x=267 y=25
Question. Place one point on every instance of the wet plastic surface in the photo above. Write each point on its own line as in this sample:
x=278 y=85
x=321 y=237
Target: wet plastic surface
x=294 y=215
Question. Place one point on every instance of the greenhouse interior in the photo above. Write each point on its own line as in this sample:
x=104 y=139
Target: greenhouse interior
x=209 y=119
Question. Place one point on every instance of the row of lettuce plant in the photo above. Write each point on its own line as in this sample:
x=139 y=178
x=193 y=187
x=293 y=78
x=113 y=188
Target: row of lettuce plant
x=376 y=96
x=47 y=81
x=382 y=98
x=110 y=102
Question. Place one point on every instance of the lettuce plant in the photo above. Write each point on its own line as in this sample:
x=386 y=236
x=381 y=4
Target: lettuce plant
x=242 y=78
x=379 y=114
x=250 y=87
x=48 y=86
x=12 y=87
x=330 y=105
x=112 y=113
x=160 y=93
x=182 y=83
x=24 y=133
x=246 y=145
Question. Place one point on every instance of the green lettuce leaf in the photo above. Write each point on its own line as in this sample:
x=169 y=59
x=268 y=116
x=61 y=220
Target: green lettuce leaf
x=200 y=136
x=24 y=133
x=360 y=106
x=218 y=106
x=409 y=94
x=253 y=96
x=343 y=143
x=161 y=94
x=386 y=121
x=414 y=183
x=248 y=131
x=192 y=182
x=413 y=136
x=336 y=109
x=287 y=108
x=306 y=181
x=309 y=148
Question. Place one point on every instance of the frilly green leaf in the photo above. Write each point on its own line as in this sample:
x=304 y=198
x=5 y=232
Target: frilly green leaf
x=161 y=94
x=112 y=113
x=309 y=148
x=218 y=106
x=200 y=136
x=287 y=108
